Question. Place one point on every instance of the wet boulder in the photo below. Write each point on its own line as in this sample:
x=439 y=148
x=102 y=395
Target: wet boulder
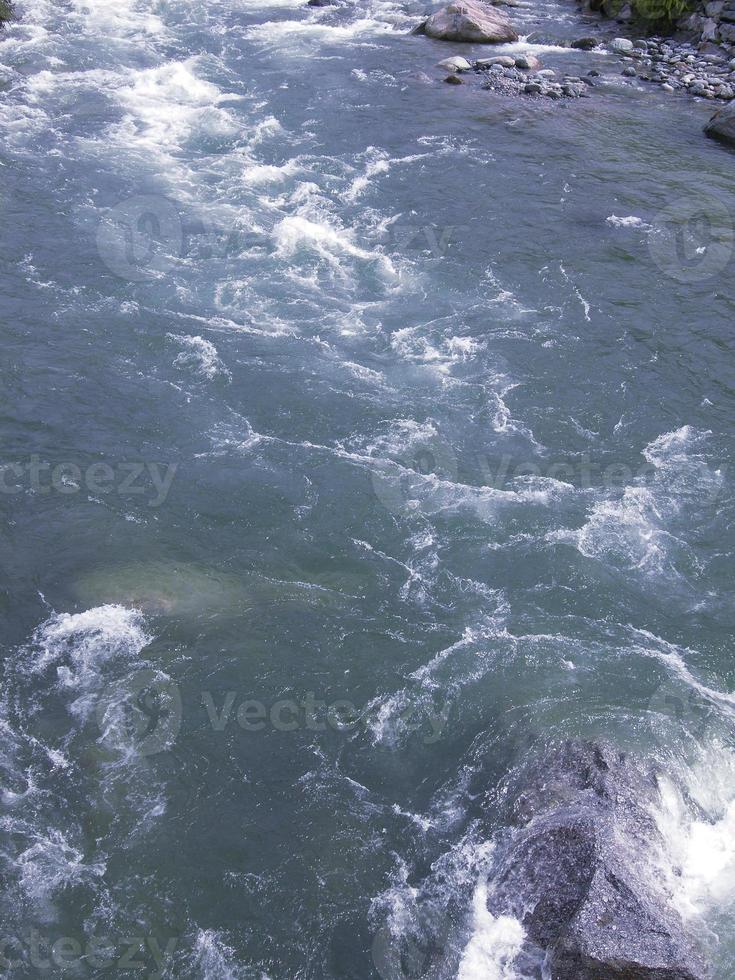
x=621 y=45
x=502 y=60
x=527 y=62
x=457 y=63
x=722 y=125
x=581 y=868
x=469 y=21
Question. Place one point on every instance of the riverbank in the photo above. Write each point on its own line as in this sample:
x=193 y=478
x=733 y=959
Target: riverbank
x=537 y=65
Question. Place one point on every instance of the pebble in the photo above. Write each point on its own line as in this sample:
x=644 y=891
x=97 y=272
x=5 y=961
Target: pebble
x=505 y=61
x=675 y=65
x=622 y=45
x=515 y=81
x=528 y=62
x=457 y=63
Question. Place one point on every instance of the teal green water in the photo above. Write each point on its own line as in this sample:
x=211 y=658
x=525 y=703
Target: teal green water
x=357 y=431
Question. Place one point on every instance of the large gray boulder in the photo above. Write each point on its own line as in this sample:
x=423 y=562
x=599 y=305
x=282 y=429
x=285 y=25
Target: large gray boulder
x=722 y=125
x=469 y=21
x=581 y=868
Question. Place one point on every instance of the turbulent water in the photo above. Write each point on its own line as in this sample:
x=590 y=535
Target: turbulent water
x=358 y=432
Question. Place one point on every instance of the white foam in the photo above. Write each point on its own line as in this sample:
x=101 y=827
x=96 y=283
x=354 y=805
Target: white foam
x=80 y=643
x=701 y=838
x=494 y=945
x=629 y=221
x=164 y=106
x=636 y=530
x=298 y=232
x=117 y=18
x=377 y=162
x=412 y=344
x=51 y=864
x=214 y=958
x=199 y=354
x=293 y=39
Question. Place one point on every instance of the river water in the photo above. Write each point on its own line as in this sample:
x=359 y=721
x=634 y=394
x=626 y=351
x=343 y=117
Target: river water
x=359 y=431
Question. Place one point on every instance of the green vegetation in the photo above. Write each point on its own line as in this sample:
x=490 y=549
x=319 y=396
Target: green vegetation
x=661 y=13
x=5 y=10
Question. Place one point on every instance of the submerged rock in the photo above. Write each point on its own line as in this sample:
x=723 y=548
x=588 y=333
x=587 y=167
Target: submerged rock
x=185 y=589
x=722 y=125
x=469 y=21
x=585 y=43
x=582 y=869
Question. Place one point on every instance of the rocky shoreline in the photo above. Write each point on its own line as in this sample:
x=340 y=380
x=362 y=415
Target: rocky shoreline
x=702 y=70
x=516 y=76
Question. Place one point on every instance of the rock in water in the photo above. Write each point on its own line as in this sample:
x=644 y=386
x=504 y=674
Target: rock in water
x=453 y=80
x=503 y=60
x=581 y=869
x=457 y=63
x=470 y=21
x=585 y=43
x=527 y=62
x=722 y=125
x=621 y=45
